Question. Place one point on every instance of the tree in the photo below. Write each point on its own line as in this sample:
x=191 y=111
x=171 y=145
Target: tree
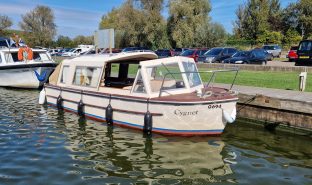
x=255 y=21
x=270 y=37
x=210 y=35
x=5 y=22
x=275 y=15
x=65 y=42
x=155 y=25
x=305 y=17
x=292 y=37
x=185 y=16
x=80 y=39
x=128 y=23
x=290 y=18
x=238 y=24
x=39 y=26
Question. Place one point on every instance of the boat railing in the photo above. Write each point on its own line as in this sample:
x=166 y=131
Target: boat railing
x=209 y=83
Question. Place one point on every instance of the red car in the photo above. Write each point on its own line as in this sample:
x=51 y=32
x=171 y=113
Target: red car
x=194 y=53
x=292 y=53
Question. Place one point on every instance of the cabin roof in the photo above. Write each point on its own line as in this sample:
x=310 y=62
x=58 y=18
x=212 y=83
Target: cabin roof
x=13 y=50
x=100 y=59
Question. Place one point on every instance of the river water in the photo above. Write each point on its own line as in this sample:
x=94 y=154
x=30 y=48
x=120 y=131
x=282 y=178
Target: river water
x=40 y=145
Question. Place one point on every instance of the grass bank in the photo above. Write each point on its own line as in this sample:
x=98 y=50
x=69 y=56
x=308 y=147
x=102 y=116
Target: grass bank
x=276 y=80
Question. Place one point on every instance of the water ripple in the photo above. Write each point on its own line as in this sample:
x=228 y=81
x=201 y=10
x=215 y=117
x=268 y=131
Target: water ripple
x=41 y=145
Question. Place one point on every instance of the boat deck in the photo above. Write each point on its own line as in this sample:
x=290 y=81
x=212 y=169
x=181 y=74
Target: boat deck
x=212 y=94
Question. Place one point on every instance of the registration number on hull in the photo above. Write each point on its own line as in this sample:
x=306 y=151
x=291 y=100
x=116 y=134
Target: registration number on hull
x=304 y=57
x=214 y=106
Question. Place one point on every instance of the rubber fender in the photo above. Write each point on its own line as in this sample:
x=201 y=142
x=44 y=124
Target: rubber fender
x=148 y=123
x=59 y=102
x=42 y=97
x=80 y=107
x=109 y=114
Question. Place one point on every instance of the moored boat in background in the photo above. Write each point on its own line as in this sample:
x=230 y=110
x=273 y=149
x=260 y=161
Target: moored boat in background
x=24 y=67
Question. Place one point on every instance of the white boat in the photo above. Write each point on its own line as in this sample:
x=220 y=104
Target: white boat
x=24 y=67
x=139 y=91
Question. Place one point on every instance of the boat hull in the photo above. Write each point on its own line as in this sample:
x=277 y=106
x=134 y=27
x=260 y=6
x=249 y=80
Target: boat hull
x=24 y=76
x=168 y=118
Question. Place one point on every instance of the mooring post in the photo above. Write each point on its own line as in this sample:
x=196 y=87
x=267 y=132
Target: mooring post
x=302 y=81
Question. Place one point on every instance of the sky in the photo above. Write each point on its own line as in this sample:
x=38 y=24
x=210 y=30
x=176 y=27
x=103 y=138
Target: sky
x=82 y=17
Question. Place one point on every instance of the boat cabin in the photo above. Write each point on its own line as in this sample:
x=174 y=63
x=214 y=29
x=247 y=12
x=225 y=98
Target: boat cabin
x=11 y=54
x=135 y=74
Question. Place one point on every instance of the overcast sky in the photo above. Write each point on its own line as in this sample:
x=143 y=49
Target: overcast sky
x=82 y=17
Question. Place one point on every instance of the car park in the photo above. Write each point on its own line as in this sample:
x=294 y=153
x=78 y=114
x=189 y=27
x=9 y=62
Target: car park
x=274 y=49
x=178 y=51
x=217 y=55
x=194 y=53
x=292 y=53
x=162 y=53
x=304 y=53
x=255 y=56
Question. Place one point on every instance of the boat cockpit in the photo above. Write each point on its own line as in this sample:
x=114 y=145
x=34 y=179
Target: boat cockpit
x=147 y=77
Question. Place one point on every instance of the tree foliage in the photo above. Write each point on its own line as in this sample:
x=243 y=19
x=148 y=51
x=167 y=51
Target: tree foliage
x=5 y=22
x=292 y=37
x=210 y=35
x=185 y=16
x=39 y=25
x=265 y=21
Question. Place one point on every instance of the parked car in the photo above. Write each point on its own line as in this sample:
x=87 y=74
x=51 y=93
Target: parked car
x=275 y=50
x=133 y=49
x=194 y=53
x=217 y=55
x=106 y=50
x=292 y=53
x=63 y=51
x=73 y=52
x=304 y=53
x=163 y=53
x=178 y=51
x=53 y=52
x=255 y=56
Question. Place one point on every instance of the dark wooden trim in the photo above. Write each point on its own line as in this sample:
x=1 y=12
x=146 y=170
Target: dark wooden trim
x=104 y=108
x=145 y=100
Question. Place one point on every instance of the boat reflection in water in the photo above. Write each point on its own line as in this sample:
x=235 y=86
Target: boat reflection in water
x=121 y=153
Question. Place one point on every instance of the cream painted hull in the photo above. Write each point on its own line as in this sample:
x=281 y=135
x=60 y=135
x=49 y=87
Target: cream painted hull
x=172 y=118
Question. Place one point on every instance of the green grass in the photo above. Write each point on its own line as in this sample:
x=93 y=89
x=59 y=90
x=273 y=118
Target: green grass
x=277 y=80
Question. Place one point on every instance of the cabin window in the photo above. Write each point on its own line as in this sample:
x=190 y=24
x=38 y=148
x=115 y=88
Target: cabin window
x=87 y=76
x=40 y=56
x=11 y=57
x=114 y=70
x=120 y=75
x=0 y=59
x=191 y=74
x=64 y=74
x=139 y=85
x=165 y=77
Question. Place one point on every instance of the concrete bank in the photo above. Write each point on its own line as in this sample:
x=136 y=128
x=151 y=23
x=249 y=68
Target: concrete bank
x=275 y=107
x=249 y=67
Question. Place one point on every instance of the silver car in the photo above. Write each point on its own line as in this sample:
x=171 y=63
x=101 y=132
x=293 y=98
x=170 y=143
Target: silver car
x=274 y=50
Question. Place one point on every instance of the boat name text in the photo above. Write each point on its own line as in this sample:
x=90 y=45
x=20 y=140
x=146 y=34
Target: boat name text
x=214 y=106
x=185 y=113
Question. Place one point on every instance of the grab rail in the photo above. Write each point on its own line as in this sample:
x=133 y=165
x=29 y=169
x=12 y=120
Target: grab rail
x=211 y=80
